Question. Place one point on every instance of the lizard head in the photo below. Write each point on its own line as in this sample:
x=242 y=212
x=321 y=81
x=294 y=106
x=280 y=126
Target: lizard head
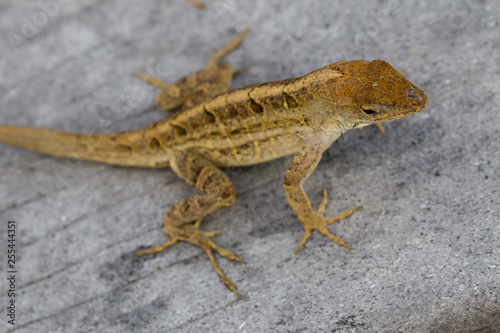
x=373 y=92
x=386 y=95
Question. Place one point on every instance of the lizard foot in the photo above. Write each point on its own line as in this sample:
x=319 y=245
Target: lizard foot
x=318 y=222
x=191 y=233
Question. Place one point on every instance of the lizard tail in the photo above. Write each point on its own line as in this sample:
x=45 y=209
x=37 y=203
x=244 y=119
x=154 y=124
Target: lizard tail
x=124 y=149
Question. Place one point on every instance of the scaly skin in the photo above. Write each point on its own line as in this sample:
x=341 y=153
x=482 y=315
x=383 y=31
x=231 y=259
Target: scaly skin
x=215 y=128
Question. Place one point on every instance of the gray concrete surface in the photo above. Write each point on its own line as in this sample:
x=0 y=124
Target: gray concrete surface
x=427 y=245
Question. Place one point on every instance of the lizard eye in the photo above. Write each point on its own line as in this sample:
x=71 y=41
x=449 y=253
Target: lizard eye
x=367 y=110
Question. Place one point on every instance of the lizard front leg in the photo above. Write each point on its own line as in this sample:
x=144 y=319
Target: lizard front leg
x=299 y=170
x=182 y=220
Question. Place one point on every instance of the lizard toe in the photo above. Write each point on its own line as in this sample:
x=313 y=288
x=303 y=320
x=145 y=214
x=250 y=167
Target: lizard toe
x=157 y=248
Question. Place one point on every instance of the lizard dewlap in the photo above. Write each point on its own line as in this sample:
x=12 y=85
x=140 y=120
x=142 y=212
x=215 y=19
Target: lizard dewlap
x=216 y=128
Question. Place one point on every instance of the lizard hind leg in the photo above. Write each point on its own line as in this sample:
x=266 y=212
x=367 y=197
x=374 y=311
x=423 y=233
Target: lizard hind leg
x=226 y=49
x=171 y=95
x=198 y=87
x=214 y=79
x=183 y=219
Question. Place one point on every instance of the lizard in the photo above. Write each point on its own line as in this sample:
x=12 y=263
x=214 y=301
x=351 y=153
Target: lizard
x=214 y=127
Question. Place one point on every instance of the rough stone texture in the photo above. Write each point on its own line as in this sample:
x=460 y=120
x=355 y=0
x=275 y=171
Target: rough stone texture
x=427 y=245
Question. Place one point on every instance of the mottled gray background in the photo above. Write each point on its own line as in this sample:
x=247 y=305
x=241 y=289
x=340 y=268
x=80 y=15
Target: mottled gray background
x=427 y=245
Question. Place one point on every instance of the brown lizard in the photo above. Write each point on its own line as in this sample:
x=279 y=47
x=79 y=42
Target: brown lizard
x=217 y=128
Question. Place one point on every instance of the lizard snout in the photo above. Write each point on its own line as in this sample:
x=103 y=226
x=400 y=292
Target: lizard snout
x=417 y=97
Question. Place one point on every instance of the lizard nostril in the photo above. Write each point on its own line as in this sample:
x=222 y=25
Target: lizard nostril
x=412 y=94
